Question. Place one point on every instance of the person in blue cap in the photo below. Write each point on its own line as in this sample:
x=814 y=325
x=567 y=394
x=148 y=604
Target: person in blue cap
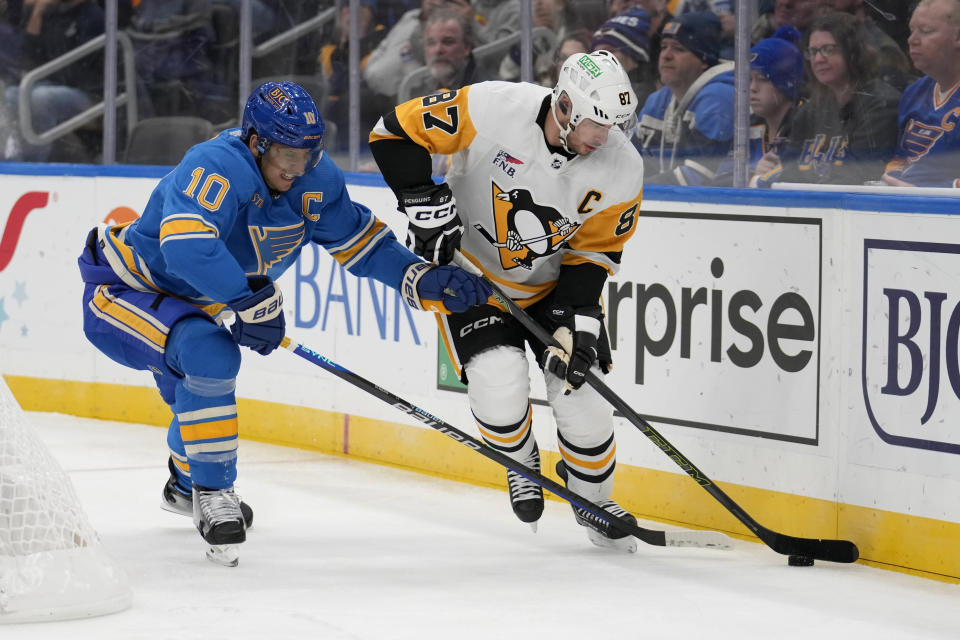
x=686 y=128
x=217 y=232
x=776 y=78
x=627 y=36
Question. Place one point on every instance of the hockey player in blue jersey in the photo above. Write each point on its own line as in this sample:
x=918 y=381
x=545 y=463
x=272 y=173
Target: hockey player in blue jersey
x=928 y=150
x=216 y=233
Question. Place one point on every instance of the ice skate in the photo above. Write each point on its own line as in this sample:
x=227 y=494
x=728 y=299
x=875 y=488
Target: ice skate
x=526 y=496
x=217 y=515
x=176 y=499
x=601 y=532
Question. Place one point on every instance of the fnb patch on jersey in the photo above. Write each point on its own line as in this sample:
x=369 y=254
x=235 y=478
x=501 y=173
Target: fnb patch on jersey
x=507 y=163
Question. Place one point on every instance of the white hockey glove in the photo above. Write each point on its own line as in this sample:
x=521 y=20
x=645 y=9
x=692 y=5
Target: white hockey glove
x=578 y=333
x=435 y=227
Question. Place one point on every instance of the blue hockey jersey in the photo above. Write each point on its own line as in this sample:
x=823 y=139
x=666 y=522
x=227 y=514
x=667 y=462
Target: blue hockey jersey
x=928 y=151
x=212 y=222
x=686 y=141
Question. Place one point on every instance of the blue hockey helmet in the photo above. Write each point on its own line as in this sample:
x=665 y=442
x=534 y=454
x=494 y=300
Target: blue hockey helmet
x=283 y=112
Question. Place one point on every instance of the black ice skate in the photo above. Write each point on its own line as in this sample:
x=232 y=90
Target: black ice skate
x=176 y=499
x=601 y=532
x=216 y=513
x=526 y=496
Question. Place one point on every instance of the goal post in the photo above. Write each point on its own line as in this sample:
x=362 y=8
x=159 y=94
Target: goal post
x=52 y=565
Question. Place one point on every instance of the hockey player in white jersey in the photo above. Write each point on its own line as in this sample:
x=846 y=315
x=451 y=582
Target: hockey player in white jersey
x=542 y=195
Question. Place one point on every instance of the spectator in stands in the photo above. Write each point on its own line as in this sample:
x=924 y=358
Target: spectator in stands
x=724 y=11
x=776 y=76
x=686 y=128
x=847 y=128
x=659 y=16
x=261 y=13
x=47 y=30
x=891 y=63
x=300 y=56
x=626 y=36
x=172 y=40
x=495 y=19
x=448 y=48
x=554 y=18
x=928 y=151
x=334 y=61
x=401 y=51
x=796 y=13
x=577 y=41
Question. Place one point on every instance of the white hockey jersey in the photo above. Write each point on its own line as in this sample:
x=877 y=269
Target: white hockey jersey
x=526 y=211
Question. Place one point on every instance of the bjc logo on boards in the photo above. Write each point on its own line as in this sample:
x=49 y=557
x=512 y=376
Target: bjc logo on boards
x=14 y=224
x=911 y=333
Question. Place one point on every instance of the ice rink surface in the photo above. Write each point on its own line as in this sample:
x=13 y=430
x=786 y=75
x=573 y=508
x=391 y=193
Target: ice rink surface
x=342 y=549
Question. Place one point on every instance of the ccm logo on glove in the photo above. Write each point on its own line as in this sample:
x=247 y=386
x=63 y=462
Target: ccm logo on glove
x=431 y=217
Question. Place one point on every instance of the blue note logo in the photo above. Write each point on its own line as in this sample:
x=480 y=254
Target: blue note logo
x=273 y=244
x=911 y=335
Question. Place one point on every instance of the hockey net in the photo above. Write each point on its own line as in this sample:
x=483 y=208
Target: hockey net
x=52 y=566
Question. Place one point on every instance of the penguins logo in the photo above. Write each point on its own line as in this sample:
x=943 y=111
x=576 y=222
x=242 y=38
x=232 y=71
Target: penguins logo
x=525 y=230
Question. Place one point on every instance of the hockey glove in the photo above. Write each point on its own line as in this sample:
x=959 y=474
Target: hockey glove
x=578 y=333
x=259 y=324
x=447 y=289
x=435 y=228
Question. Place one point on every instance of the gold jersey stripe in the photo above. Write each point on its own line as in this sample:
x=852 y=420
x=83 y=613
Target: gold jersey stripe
x=489 y=435
x=586 y=464
x=209 y=430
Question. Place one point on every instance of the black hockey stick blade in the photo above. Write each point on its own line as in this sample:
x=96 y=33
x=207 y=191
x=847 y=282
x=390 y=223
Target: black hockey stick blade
x=816 y=548
x=707 y=539
x=819 y=549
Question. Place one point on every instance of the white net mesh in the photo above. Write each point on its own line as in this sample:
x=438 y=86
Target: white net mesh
x=52 y=566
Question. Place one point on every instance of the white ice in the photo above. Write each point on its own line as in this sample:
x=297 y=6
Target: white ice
x=342 y=549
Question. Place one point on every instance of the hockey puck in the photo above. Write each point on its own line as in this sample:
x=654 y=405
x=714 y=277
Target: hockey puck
x=800 y=561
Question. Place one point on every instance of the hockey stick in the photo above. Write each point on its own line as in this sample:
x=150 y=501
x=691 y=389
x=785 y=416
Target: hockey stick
x=712 y=539
x=817 y=548
x=500 y=245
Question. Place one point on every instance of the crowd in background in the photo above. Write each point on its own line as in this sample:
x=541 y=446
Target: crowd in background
x=841 y=91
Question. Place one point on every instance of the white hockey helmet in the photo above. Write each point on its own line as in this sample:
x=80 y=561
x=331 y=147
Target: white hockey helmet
x=598 y=89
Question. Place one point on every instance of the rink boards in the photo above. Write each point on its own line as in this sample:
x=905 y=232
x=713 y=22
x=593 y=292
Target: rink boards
x=801 y=349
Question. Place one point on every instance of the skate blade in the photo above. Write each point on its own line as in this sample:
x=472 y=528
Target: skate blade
x=166 y=506
x=627 y=544
x=533 y=526
x=227 y=555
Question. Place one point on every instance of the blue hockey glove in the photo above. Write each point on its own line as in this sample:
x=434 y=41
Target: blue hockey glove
x=578 y=333
x=435 y=228
x=259 y=324
x=446 y=289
